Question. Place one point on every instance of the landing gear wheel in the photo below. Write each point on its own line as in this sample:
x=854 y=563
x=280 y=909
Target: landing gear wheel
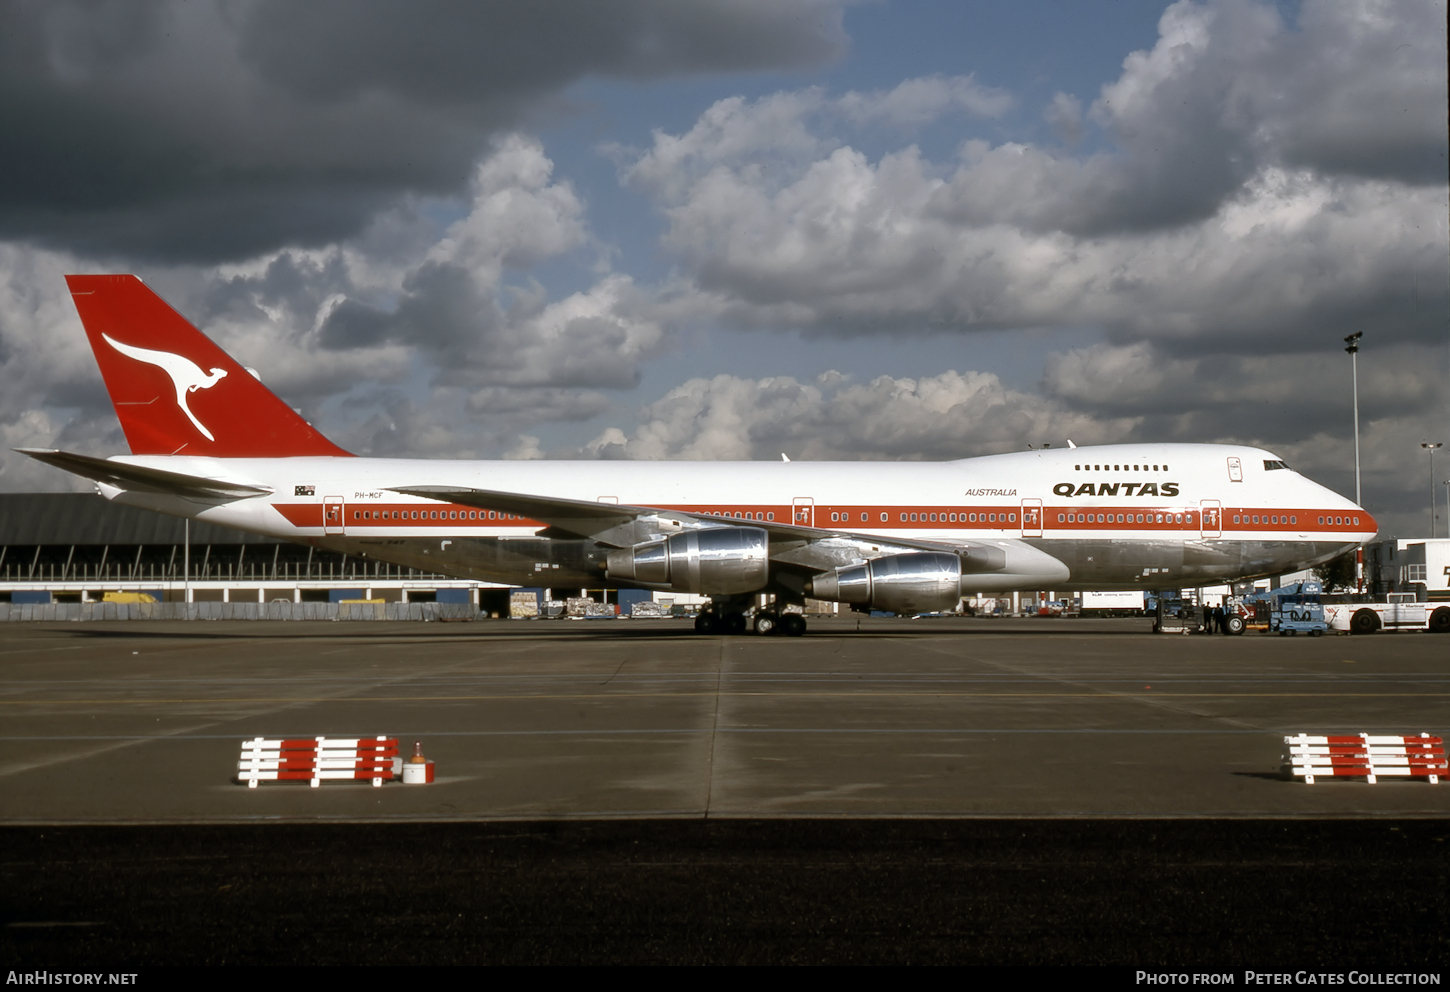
x=733 y=623
x=1233 y=625
x=707 y=623
x=1440 y=621
x=1364 y=622
x=793 y=625
x=767 y=623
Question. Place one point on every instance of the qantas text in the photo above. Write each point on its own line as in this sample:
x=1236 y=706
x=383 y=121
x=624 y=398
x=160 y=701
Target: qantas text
x=1111 y=489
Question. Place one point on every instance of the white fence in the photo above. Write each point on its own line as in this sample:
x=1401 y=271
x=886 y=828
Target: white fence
x=237 y=611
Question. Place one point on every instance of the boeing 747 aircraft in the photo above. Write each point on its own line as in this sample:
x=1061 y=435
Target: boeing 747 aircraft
x=209 y=441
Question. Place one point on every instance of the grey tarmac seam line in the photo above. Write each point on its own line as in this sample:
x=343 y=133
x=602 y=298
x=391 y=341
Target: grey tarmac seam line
x=1158 y=702
x=19 y=768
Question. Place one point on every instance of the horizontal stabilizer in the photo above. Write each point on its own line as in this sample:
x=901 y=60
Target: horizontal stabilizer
x=137 y=478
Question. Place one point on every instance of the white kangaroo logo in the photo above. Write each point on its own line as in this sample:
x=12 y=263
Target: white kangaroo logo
x=185 y=374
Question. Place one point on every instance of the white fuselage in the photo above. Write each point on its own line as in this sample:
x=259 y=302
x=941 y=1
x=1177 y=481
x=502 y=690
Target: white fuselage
x=1083 y=505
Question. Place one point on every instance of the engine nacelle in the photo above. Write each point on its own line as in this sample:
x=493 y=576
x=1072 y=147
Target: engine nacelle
x=913 y=583
x=721 y=561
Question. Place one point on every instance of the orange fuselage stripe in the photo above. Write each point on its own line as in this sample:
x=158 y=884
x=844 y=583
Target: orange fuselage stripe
x=1061 y=519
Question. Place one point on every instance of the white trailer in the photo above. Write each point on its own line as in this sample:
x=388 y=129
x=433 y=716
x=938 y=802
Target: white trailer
x=1128 y=603
x=1401 y=612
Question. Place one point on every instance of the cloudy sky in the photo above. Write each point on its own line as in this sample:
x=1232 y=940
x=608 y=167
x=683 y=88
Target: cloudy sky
x=734 y=228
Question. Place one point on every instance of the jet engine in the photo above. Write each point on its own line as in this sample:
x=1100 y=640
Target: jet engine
x=913 y=583
x=721 y=561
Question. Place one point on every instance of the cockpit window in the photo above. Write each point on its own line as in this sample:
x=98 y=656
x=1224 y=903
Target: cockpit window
x=1270 y=466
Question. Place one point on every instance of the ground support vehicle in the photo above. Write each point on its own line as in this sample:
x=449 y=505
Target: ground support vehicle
x=1401 y=612
x=1296 y=608
x=1174 y=615
x=1293 y=609
x=1252 y=611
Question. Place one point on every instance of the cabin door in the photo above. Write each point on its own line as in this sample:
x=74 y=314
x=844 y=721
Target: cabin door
x=333 y=515
x=1032 y=518
x=1210 y=518
x=803 y=511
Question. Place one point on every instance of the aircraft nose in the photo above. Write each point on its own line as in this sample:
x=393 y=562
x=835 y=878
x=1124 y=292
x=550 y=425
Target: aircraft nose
x=1363 y=522
x=1368 y=524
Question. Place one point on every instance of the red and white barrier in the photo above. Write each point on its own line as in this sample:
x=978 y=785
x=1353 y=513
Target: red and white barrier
x=317 y=759
x=1366 y=756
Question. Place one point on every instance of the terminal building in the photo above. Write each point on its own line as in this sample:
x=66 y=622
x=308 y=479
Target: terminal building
x=79 y=547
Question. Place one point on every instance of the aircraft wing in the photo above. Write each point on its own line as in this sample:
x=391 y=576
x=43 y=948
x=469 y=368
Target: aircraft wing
x=142 y=479
x=622 y=525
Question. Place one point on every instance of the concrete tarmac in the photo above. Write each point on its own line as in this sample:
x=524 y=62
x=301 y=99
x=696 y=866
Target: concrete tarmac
x=140 y=722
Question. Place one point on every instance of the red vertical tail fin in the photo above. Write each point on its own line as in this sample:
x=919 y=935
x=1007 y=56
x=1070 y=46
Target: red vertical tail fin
x=175 y=391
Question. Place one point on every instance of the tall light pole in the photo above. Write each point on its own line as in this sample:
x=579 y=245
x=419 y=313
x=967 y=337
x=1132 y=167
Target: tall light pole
x=1431 y=448
x=1352 y=346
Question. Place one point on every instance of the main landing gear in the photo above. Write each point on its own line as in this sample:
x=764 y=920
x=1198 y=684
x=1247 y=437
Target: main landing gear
x=716 y=619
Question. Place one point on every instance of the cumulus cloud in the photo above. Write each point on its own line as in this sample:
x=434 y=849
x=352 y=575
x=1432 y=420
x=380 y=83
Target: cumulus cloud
x=853 y=246
x=780 y=134
x=1295 y=392
x=465 y=308
x=448 y=350
x=950 y=415
x=1064 y=113
x=34 y=429
x=1219 y=215
x=181 y=130
x=916 y=102
x=456 y=307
